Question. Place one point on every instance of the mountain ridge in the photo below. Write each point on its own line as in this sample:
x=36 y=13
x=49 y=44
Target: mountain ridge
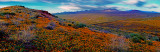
x=105 y=11
x=108 y=15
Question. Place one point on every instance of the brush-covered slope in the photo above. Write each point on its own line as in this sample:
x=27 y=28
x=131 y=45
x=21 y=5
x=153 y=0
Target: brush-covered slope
x=146 y=25
x=23 y=29
x=86 y=18
x=108 y=15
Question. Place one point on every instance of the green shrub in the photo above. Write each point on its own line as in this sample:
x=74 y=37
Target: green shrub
x=149 y=42
x=6 y=9
x=56 y=16
x=133 y=34
x=69 y=24
x=136 y=38
x=155 y=38
x=80 y=25
x=20 y=6
x=5 y=13
x=2 y=35
x=35 y=16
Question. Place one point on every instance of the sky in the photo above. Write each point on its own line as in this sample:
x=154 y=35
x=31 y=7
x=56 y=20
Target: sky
x=57 y=6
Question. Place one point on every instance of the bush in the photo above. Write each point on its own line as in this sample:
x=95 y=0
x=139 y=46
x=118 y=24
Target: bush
x=6 y=9
x=56 y=16
x=61 y=30
x=7 y=13
x=3 y=23
x=149 y=42
x=2 y=35
x=24 y=35
x=155 y=38
x=80 y=25
x=69 y=24
x=15 y=22
x=35 y=17
x=20 y=6
x=136 y=38
x=119 y=44
x=51 y=26
x=132 y=34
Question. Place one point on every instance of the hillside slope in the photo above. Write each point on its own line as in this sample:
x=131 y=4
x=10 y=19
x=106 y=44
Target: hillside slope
x=24 y=29
x=107 y=15
x=142 y=26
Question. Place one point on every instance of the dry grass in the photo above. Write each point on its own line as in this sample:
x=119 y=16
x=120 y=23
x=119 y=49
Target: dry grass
x=25 y=35
x=119 y=44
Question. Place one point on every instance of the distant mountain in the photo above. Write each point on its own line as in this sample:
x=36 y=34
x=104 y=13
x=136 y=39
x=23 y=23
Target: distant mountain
x=106 y=15
x=90 y=11
x=106 y=11
x=117 y=13
x=142 y=11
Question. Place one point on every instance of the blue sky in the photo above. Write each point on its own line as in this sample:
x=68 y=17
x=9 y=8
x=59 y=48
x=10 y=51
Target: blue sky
x=56 y=6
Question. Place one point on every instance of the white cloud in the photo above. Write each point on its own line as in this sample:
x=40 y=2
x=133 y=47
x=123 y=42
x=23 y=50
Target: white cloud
x=132 y=1
x=153 y=9
x=69 y=7
x=2 y=6
x=151 y=5
x=15 y=0
x=46 y=1
x=74 y=6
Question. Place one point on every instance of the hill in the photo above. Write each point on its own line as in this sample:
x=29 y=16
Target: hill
x=23 y=29
x=107 y=15
x=147 y=26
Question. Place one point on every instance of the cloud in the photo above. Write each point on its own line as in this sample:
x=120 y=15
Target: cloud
x=151 y=6
x=46 y=1
x=15 y=0
x=133 y=1
x=69 y=7
x=73 y=6
x=138 y=3
x=2 y=6
x=151 y=9
x=84 y=2
x=116 y=7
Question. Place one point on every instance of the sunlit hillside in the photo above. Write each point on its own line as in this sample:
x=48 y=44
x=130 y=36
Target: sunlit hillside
x=146 y=25
x=23 y=30
x=108 y=15
x=86 y=18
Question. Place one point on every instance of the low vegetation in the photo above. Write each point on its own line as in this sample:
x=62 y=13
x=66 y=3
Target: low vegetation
x=36 y=30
